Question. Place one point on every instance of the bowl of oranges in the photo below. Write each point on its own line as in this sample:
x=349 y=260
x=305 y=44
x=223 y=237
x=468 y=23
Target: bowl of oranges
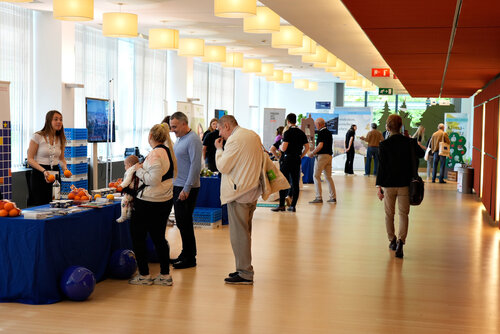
x=9 y=209
x=79 y=195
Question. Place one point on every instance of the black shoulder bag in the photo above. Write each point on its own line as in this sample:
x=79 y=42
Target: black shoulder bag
x=416 y=191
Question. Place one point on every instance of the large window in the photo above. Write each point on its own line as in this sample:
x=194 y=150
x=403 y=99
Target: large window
x=16 y=26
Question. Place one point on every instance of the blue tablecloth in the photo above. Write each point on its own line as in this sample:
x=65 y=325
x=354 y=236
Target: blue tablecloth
x=35 y=253
x=209 y=196
x=307 y=169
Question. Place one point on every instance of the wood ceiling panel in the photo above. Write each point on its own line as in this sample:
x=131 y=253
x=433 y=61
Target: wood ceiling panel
x=480 y=14
x=412 y=41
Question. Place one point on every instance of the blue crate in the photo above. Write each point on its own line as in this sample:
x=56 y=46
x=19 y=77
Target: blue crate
x=76 y=134
x=207 y=215
x=66 y=185
x=81 y=168
x=75 y=151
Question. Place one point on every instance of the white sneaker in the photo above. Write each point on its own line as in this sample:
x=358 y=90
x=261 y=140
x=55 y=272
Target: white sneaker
x=163 y=280
x=141 y=280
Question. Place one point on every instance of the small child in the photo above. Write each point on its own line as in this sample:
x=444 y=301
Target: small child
x=131 y=165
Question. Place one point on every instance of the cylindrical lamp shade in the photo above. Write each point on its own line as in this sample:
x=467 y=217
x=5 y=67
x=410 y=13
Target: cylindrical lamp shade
x=165 y=39
x=331 y=61
x=234 y=59
x=287 y=78
x=301 y=83
x=308 y=48
x=287 y=37
x=339 y=67
x=320 y=56
x=348 y=74
x=72 y=10
x=119 y=25
x=191 y=47
x=313 y=85
x=277 y=76
x=266 y=21
x=235 y=8
x=16 y=0
x=214 y=54
x=251 y=66
x=267 y=70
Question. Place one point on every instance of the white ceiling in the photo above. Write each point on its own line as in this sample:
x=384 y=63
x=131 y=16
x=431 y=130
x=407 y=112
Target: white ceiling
x=326 y=21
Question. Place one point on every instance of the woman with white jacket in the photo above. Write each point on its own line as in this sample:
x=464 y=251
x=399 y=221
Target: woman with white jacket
x=152 y=205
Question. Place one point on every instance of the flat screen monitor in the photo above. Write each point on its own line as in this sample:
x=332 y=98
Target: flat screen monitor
x=98 y=120
x=219 y=113
x=323 y=105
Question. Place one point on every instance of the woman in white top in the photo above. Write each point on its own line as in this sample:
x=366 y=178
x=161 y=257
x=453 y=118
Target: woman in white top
x=152 y=206
x=46 y=153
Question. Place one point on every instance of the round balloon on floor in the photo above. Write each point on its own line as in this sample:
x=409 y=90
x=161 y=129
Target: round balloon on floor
x=77 y=283
x=122 y=264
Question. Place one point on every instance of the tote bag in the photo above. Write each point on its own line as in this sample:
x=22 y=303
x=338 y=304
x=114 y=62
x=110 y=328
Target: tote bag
x=416 y=190
x=444 y=148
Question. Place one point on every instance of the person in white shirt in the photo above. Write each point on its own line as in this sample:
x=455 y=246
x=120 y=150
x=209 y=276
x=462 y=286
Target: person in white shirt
x=240 y=163
x=45 y=154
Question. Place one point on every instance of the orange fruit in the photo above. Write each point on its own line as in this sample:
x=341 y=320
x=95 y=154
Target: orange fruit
x=4 y=213
x=8 y=206
x=71 y=195
x=111 y=185
x=77 y=198
x=84 y=198
x=1 y=204
x=14 y=212
x=67 y=173
x=97 y=196
x=81 y=193
x=110 y=196
x=119 y=189
x=51 y=178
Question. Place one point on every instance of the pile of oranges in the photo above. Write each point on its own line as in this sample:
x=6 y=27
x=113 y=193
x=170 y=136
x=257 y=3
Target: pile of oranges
x=116 y=185
x=51 y=178
x=8 y=209
x=78 y=194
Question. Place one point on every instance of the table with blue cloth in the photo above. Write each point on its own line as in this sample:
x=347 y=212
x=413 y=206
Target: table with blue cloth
x=35 y=252
x=209 y=196
x=307 y=169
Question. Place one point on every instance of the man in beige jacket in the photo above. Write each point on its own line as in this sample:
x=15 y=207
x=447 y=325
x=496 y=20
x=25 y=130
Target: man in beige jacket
x=240 y=163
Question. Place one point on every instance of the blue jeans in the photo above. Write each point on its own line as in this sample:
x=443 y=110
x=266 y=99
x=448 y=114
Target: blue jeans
x=372 y=152
x=437 y=159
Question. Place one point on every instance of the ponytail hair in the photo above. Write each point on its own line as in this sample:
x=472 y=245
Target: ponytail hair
x=164 y=134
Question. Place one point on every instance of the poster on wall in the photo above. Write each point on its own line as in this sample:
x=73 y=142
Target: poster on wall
x=273 y=118
x=331 y=120
x=195 y=114
x=5 y=142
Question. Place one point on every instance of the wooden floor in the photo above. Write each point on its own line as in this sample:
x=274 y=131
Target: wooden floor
x=324 y=269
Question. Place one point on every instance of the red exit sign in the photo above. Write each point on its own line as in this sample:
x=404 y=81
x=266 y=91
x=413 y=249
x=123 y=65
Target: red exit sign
x=381 y=72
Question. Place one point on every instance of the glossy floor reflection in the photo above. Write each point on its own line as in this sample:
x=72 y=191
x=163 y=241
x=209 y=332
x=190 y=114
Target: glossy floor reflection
x=324 y=269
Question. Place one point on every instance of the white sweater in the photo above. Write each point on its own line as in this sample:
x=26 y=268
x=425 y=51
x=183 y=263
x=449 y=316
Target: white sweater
x=240 y=164
x=153 y=169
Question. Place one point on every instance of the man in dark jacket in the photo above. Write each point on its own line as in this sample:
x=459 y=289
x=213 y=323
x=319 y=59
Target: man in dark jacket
x=393 y=179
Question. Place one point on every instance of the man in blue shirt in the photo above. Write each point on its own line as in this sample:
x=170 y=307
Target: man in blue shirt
x=187 y=150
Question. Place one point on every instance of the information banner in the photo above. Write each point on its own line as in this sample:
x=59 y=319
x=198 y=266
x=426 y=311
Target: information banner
x=273 y=118
x=5 y=142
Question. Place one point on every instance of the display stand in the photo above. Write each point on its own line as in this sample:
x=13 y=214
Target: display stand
x=95 y=162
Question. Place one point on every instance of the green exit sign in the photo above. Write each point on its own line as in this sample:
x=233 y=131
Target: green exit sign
x=385 y=91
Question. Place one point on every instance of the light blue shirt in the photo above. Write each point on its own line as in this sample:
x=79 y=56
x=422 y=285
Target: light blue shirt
x=187 y=150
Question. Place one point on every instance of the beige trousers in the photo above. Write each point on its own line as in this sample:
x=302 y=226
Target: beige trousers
x=323 y=163
x=390 y=195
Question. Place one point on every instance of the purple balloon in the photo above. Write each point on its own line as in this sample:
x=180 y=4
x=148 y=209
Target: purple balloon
x=77 y=283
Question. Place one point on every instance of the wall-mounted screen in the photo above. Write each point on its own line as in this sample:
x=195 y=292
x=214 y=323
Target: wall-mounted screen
x=98 y=120
x=323 y=105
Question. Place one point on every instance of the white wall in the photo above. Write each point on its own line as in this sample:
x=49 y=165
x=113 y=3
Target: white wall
x=176 y=80
x=47 y=64
x=242 y=103
x=299 y=101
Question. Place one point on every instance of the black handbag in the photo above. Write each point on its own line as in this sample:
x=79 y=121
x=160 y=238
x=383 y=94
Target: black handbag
x=416 y=191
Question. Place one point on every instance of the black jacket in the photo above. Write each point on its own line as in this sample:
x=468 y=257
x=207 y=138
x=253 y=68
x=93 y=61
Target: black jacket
x=395 y=166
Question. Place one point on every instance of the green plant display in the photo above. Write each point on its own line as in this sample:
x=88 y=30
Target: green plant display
x=457 y=150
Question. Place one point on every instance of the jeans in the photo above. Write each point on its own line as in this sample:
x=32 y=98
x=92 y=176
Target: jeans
x=372 y=152
x=430 y=161
x=184 y=221
x=290 y=167
x=349 y=162
x=438 y=159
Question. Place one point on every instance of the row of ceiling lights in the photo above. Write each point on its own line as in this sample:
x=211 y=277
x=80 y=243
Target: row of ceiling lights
x=256 y=20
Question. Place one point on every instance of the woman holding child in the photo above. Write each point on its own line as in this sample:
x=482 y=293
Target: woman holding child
x=152 y=204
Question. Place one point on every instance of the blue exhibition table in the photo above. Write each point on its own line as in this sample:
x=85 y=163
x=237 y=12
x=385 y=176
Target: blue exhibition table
x=35 y=253
x=307 y=169
x=209 y=195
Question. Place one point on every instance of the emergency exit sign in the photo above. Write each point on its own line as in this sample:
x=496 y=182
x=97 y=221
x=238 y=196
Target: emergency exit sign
x=381 y=72
x=385 y=91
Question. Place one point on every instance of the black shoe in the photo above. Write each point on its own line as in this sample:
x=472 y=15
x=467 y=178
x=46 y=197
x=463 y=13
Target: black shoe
x=399 y=249
x=178 y=259
x=393 y=244
x=291 y=209
x=278 y=208
x=183 y=264
x=233 y=274
x=237 y=279
x=433 y=181
x=442 y=181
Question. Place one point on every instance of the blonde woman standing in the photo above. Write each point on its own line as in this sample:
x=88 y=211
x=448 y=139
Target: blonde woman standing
x=152 y=204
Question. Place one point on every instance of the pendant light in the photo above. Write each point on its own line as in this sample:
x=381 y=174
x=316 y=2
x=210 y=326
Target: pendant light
x=277 y=76
x=320 y=56
x=251 y=65
x=191 y=47
x=235 y=8
x=73 y=10
x=16 y=0
x=331 y=61
x=234 y=59
x=287 y=78
x=313 y=85
x=266 y=21
x=308 y=47
x=267 y=70
x=301 y=83
x=287 y=37
x=339 y=67
x=119 y=24
x=214 y=54
x=164 y=39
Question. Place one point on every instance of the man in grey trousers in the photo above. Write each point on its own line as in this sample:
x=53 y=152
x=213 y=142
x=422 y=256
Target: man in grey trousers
x=240 y=163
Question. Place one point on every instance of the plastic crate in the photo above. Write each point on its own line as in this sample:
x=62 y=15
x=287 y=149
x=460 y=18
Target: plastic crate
x=81 y=168
x=216 y=224
x=80 y=142
x=207 y=215
x=75 y=161
x=75 y=152
x=75 y=177
x=76 y=134
x=66 y=185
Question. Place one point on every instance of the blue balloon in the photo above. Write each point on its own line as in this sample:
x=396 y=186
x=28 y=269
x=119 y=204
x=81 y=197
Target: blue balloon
x=77 y=283
x=122 y=264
